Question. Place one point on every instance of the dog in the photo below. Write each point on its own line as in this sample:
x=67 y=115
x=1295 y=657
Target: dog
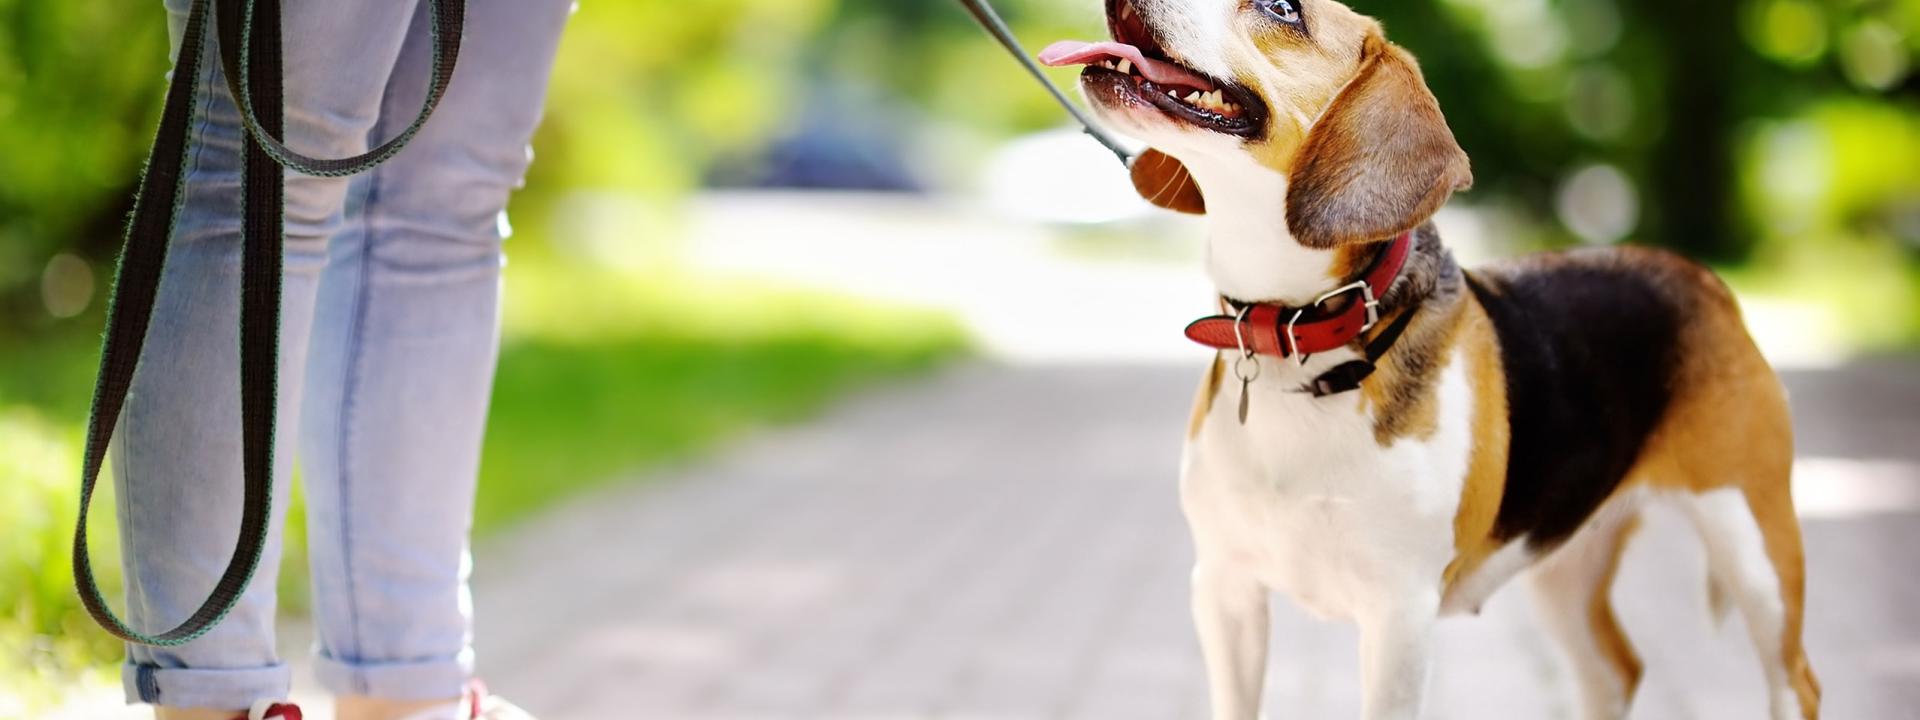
x=1388 y=438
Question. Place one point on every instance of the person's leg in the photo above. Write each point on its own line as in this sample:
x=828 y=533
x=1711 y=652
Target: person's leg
x=402 y=365
x=177 y=455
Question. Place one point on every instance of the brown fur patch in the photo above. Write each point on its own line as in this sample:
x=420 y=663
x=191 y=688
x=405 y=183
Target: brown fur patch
x=1605 y=625
x=1729 y=426
x=1728 y=419
x=1203 y=400
x=1379 y=162
x=1485 y=485
x=1317 y=67
x=1352 y=260
x=1401 y=389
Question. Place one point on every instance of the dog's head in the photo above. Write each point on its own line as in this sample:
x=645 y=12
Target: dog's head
x=1309 y=89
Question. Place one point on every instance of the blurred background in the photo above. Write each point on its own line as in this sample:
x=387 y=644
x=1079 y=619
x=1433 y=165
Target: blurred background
x=799 y=219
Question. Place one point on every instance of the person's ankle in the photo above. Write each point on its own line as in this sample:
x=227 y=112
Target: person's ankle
x=359 y=707
x=173 y=713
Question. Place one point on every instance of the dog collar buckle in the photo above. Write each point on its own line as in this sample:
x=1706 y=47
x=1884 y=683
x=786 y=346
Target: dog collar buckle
x=1367 y=300
x=1300 y=331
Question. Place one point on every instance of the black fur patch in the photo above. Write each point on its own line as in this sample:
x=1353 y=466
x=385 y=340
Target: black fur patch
x=1589 y=341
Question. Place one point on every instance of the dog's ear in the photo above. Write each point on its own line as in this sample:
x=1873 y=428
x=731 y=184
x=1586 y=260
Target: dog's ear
x=1379 y=161
x=1164 y=181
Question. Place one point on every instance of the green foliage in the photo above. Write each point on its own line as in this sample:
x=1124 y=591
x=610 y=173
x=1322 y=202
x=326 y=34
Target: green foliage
x=650 y=94
x=1660 y=90
x=80 y=86
x=44 y=636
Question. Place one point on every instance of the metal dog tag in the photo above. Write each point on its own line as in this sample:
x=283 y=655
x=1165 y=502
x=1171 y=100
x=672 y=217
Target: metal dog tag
x=1246 y=380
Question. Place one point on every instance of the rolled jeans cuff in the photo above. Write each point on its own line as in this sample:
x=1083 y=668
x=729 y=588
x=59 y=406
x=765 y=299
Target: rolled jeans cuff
x=431 y=679
x=205 y=688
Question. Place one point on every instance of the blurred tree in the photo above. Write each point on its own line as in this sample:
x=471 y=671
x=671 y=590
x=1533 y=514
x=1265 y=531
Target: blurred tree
x=1659 y=90
x=1615 y=117
x=80 y=86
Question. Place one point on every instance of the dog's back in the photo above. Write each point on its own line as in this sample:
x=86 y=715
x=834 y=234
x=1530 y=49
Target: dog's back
x=1630 y=375
x=1591 y=347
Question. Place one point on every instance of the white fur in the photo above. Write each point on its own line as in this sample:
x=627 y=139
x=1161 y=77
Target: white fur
x=1737 y=559
x=1564 y=586
x=1251 y=255
x=1302 y=500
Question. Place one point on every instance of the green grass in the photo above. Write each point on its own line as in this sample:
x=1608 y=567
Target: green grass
x=629 y=371
x=603 y=374
x=1869 y=292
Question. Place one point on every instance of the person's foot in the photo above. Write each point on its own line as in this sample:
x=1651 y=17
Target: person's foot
x=487 y=706
x=474 y=704
x=273 y=711
x=263 y=710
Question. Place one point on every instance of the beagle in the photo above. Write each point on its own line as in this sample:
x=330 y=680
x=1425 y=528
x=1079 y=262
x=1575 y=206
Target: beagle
x=1388 y=438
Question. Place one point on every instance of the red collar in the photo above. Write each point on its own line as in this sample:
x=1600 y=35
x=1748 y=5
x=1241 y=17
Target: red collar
x=1283 y=331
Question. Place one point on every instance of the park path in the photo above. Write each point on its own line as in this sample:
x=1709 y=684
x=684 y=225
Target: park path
x=1004 y=542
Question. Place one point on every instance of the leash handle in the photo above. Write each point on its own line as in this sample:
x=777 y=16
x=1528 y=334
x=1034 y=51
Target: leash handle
x=447 y=28
x=252 y=57
x=983 y=13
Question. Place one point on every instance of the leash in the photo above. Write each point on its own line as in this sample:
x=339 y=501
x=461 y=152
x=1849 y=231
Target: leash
x=989 y=20
x=250 y=53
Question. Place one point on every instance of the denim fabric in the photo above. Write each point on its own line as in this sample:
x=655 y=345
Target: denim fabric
x=388 y=340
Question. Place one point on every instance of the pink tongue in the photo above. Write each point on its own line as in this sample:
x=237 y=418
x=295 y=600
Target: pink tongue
x=1075 y=52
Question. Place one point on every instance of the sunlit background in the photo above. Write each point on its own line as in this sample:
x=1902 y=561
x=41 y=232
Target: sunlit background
x=741 y=210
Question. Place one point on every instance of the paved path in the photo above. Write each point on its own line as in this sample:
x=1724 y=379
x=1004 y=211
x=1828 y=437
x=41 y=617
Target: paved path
x=1005 y=543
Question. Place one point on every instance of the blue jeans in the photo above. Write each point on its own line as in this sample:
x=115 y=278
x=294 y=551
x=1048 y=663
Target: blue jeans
x=388 y=340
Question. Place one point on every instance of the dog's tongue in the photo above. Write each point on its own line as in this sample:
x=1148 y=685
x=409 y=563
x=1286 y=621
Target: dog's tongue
x=1076 y=52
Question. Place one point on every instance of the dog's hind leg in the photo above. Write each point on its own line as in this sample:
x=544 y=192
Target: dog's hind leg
x=1570 y=589
x=1230 y=612
x=1725 y=451
x=1754 y=553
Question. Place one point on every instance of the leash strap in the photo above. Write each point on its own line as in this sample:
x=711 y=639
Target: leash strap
x=983 y=13
x=250 y=50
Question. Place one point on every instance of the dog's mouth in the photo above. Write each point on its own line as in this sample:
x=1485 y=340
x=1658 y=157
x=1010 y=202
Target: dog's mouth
x=1134 y=68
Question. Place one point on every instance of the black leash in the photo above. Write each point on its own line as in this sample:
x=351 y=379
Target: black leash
x=984 y=14
x=250 y=52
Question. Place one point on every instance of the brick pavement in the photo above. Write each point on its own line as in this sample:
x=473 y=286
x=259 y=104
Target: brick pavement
x=1005 y=543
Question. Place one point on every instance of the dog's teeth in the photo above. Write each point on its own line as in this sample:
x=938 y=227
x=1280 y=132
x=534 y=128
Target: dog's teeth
x=1175 y=94
x=1126 y=67
x=1193 y=98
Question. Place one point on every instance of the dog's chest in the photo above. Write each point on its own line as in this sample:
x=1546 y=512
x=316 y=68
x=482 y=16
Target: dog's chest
x=1306 y=499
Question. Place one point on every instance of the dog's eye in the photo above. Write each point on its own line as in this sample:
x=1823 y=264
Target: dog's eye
x=1283 y=10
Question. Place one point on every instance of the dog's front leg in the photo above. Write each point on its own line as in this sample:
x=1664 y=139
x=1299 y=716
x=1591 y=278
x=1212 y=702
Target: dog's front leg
x=1230 y=613
x=1396 y=645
